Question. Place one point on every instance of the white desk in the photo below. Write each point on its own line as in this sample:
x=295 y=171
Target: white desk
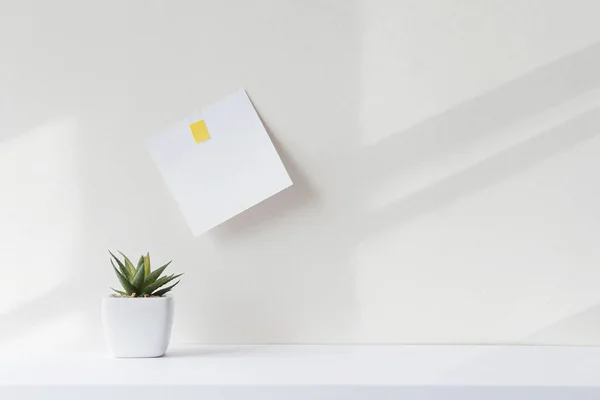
x=321 y=372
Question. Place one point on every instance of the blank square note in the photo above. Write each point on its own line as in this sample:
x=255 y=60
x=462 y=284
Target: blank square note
x=219 y=162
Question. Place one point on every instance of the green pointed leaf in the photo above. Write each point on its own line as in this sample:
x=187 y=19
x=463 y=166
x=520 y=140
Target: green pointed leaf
x=124 y=270
x=155 y=285
x=138 y=279
x=147 y=264
x=129 y=289
x=140 y=261
x=119 y=292
x=164 y=291
x=154 y=275
x=129 y=265
x=159 y=283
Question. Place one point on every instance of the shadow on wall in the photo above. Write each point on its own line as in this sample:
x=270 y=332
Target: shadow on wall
x=332 y=232
x=480 y=118
x=489 y=172
x=290 y=282
x=584 y=325
x=36 y=314
x=22 y=111
x=40 y=217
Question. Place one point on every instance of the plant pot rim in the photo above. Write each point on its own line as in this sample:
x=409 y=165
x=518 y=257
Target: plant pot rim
x=166 y=296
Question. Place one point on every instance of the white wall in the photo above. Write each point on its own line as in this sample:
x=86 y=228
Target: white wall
x=445 y=155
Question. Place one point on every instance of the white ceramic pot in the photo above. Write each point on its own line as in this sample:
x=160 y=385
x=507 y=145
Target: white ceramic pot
x=137 y=327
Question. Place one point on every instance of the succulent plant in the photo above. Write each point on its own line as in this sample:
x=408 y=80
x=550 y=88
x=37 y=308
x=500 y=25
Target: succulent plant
x=140 y=280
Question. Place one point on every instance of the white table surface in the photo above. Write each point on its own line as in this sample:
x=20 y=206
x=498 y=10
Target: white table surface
x=338 y=365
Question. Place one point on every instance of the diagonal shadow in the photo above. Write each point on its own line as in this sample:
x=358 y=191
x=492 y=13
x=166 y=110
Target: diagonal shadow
x=59 y=301
x=584 y=325
x=491 y=171
x=481 y=117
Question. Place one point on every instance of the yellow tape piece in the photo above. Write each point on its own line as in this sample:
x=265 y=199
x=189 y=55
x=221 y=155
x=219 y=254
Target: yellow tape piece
x=199 y=131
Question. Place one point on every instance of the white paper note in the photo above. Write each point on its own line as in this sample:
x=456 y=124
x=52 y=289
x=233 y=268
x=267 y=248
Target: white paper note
x=219 y=162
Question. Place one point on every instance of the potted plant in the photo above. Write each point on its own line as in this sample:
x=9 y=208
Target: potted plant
x=137 y=320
